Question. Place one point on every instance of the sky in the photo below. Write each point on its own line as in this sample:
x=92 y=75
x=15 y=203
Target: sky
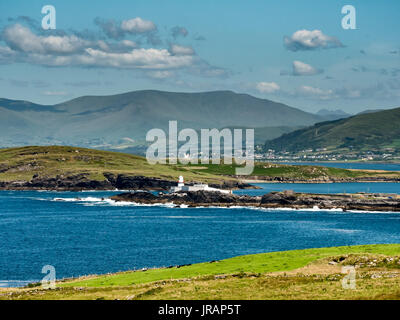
x=290 y=51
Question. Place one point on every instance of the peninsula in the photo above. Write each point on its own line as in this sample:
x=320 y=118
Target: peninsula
x=65 y=168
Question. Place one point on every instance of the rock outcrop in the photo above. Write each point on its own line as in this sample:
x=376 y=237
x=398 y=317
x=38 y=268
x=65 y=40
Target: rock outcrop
x=286 y=199
x=190 y=198
x=111 y=181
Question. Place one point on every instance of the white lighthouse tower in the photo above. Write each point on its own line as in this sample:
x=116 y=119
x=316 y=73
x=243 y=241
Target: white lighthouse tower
x=181 y=182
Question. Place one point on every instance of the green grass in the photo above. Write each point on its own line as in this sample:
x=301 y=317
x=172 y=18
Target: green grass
x=23 y=163
x=258 y=263
x=263 y=169
x=299 y=274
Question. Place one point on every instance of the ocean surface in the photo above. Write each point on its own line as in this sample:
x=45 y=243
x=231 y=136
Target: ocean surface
x=84 y=233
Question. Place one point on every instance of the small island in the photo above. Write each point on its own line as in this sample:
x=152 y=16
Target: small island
x=285 y=199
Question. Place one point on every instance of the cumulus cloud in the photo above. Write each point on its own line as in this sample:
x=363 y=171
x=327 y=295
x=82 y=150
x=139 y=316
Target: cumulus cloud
x=137 y=58
x=55 y=93
x=160 y=74
x=267 y=87
x=181 y=50
x=179 y=32
x=21 y=44
x=329 y=94
x=138 y=25
x=317 y=92
x=115 y=30
x=20 y=38
x=310 y=40
x=304 y=69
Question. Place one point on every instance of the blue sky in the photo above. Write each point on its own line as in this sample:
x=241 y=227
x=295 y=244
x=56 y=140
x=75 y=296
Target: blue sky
x=256 y=47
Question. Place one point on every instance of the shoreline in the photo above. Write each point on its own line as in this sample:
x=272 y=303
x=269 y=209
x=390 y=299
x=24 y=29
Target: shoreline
x=155 y=184
x=374 y=202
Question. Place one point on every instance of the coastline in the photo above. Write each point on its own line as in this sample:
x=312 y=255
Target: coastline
x=373 y=202
x=81 y=182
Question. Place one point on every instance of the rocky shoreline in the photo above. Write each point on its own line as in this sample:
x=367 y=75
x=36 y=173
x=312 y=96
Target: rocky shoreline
x=285 y=199
x=82 y=181
x=265 y=179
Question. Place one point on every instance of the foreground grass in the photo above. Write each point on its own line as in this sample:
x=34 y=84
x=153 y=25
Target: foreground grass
x=258 y=263
x=299 y=274
x=21 y=164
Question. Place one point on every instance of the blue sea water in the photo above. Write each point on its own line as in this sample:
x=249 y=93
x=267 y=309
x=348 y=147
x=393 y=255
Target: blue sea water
x=354 y=187
x=88 y=234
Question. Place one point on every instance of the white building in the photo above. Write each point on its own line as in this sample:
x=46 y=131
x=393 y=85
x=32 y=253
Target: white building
x=197 y=187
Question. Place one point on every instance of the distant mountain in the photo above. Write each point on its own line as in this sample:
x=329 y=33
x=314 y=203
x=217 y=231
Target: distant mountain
x=373 y=131
x=268 y=133
x=332 y=114
x=121 y=121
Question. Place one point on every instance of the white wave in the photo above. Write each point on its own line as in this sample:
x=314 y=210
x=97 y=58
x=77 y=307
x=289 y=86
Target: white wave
x=340 y=230
x=87 y=199
x=94 y=201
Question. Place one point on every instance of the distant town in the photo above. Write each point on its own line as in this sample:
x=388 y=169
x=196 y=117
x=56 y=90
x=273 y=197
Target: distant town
x=320 y=155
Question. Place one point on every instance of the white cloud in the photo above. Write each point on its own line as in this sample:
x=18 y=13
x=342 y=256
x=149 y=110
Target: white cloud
x=267 y=87
x=129 y=43
x=160 y=74
x=21 y=38
x=310 y=40
x=137 y=58
x=137 y=25
x=55 y=93
x=304 y=69
x=317 y=92
x=181 y=50
x=21 y=45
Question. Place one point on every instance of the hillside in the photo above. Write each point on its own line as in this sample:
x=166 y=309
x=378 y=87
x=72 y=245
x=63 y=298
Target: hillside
x=108 y=122
x=55 y=167
x=369 y=131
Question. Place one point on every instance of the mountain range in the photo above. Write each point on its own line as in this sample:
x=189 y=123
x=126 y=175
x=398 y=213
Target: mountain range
x=121 y=121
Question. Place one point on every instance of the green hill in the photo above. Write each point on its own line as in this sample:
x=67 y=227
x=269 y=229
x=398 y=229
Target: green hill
x=369 y=131
x=21 y=164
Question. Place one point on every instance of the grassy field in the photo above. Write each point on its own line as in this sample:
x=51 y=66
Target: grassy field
x=298 y=274
x=20 y=164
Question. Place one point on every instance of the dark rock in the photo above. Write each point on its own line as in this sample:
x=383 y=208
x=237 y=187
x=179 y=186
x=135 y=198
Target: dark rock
x=142 y=183
x=191 y=198
x=290 y=199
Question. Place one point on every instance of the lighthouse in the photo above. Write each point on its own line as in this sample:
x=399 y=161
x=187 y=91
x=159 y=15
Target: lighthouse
x=181 y=182
x=195 y=187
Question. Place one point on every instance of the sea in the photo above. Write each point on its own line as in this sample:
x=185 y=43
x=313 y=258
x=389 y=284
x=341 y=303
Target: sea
x=84 y=233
